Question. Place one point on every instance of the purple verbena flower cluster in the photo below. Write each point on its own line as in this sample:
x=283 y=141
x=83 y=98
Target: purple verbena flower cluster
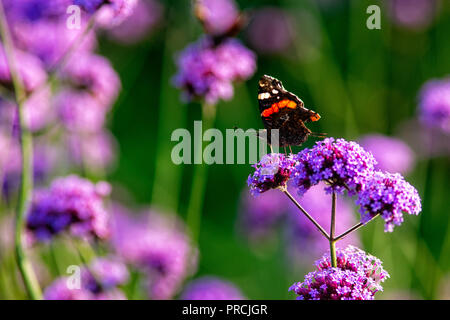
x=98 y=282
x=344 y=165
x=207 y=70
x=109 y=12
x=358 y=276
x=159 y=246
x=70 y=204
x=217 y=16
x=211 y=288
x=388 y=195
x=272 y=172
x=434 y=104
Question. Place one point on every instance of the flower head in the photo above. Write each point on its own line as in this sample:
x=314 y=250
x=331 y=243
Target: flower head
x=343 y=164
x=30 y=70
x=156 y=244
x=358 y=276
x=271 y=31
x=98 y=282
x=211 y=288
x=71 y=203
x=217 y=16
x=413 y=14
x=208 y=71
x=388 y=195
x=110 y=12
x=434 y=104
x=272 y=172
x=392 y=154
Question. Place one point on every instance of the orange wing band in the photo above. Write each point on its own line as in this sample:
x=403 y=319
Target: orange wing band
x=279 y=105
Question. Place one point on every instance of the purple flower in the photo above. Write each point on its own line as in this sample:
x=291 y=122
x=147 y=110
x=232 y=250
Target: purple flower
x=158 y=245
x=79 y=111
x=93 y=74
x=110 y=12
x=50 y=40
x=259 y=216
x=271 y=31
x=303 y=239
x=358 y=276
x=207 y=71
x=96 y=151
x=388 y=195
x=342 y=164
x=392 y=154
x=98 y=282
x=29 y=68
x=144 y=18
x=35 y=10
x=412 y=14
x=434 y=104
x=211 y=288
x=217 y=16
x=71 y=203
x=272 y=172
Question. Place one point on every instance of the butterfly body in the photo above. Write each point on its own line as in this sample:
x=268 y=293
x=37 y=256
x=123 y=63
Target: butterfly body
x=284 y=111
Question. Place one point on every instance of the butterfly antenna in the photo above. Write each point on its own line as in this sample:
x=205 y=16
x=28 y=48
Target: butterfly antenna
x=318 y=135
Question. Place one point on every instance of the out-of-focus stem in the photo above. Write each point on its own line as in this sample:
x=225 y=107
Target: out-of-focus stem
x=332 y=231
x=318 y=226
x=26 y=183
x=200 y=175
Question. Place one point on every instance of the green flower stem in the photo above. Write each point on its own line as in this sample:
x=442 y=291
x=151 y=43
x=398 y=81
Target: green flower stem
x=318 y=226
x=26 y=183
x=200 y=176
x=332 y=231
x=354 y=228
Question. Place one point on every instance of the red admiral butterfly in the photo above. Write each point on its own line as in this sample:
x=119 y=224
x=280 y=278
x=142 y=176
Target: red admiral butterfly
x=283 y=110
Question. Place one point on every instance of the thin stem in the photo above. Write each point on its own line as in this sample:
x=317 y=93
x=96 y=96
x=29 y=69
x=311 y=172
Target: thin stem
x=194 y=212
x=318 y=226
x=26 y=183
x=332 y=230
x=354 y=228
x=64 y=59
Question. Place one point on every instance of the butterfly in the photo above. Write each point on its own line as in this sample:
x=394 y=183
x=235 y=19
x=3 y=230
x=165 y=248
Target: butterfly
x=283 y=110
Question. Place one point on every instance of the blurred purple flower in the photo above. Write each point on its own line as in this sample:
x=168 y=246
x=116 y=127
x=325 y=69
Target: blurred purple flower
x=217 y=16
x=412 y=14
x=259 y=216
x=303 y=239
x=50 y=40
x=110 y=12
x=107 y=274
x=30 y=69
x=79 y=111
x=272 y=172
x=34 y=10
x=426 y=141
x=211 y=288
x=93 y=74
x=434 y=104
x=392 y=154
x=96 y=151
x=159 y=246
x=207 y=71
x=358 y=276
x=71 y=203
x=271 y=30
x=344 y=164
x=388 y=195
x=144 y=18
